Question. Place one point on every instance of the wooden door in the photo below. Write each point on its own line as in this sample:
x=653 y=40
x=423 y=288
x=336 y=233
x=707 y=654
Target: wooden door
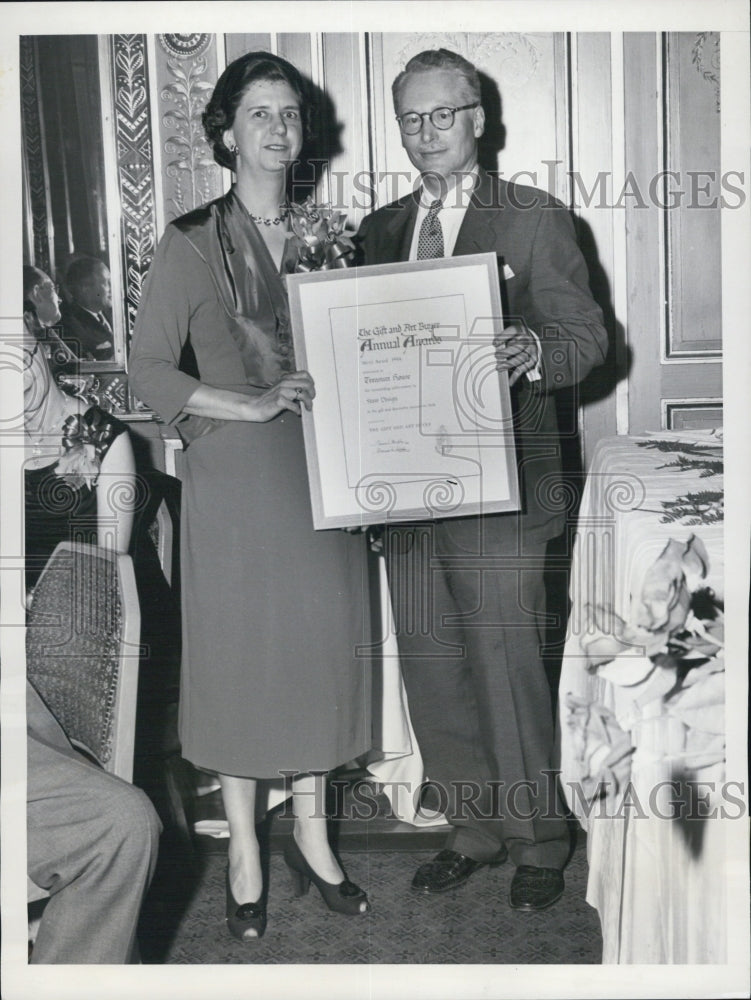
x=673 y=196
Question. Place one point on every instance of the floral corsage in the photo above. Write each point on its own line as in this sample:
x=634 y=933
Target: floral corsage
x=318 y=233
x=86 y=440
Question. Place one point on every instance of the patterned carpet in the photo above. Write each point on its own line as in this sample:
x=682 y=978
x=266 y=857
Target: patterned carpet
x=183 y=919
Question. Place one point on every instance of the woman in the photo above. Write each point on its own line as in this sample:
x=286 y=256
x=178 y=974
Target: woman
x=272 y=611
x=79 y=473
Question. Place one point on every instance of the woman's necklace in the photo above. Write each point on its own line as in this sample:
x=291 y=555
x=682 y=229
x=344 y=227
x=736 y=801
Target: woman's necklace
x=271 y=222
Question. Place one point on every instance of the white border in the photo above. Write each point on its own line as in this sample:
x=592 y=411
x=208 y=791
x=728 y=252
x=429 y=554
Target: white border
x=365 y=981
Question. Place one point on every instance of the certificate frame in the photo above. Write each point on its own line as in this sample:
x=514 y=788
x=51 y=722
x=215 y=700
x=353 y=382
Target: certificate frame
x=419 y=425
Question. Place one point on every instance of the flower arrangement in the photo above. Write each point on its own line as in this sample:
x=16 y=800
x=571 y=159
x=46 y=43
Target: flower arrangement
x=669 y=655
x=318 y=233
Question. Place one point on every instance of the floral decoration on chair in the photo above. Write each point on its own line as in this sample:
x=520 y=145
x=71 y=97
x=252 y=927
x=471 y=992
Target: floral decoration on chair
x=86 y=439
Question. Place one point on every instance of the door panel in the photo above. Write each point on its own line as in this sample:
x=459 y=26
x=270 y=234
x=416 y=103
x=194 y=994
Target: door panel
x=672 y=211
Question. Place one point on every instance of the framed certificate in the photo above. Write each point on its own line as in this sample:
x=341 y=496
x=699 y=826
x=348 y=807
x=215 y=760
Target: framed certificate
x=411 y=420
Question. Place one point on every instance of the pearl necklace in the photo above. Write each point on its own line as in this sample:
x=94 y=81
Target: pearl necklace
x=271 y=222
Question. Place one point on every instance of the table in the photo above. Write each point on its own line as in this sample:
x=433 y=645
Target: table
x=657 y=880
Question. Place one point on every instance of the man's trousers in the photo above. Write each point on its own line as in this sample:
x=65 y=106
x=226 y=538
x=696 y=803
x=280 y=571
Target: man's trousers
x=469 y=603
x=92 y=843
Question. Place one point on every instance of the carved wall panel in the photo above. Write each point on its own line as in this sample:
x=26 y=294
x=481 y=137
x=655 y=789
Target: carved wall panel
x=34 y=172
x=186 y=72
x=106 y=389
x=135 y=173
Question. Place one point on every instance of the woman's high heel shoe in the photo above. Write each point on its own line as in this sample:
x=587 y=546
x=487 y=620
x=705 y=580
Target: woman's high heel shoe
x=342 y=897
x=245 y=917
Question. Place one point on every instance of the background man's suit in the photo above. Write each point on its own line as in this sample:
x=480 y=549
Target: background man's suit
x=486 y=716
x=87 y=336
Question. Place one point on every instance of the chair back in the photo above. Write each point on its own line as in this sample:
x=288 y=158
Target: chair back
x=82 y=650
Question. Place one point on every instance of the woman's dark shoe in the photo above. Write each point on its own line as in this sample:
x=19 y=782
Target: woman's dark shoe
x=343 y=897
x=244 y=918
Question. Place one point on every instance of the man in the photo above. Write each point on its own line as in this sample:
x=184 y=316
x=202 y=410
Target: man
x=91 y=843
x=483 y=719
x=87 y=327
x=41 y=313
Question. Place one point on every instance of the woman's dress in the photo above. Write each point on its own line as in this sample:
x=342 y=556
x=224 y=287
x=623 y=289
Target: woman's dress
x=65 y=444
x=274 y=674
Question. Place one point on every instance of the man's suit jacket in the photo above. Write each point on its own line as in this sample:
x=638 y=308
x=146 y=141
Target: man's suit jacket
x=87 y=337
x=544 y=283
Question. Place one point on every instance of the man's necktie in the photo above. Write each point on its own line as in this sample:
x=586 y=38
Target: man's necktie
x=430 y=242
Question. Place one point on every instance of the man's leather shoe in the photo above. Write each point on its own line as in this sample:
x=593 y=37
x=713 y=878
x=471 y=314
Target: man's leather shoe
x=448 y=869
x=535 y=888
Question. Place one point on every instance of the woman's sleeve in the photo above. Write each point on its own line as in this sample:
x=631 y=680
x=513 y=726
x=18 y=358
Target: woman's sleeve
x=162 y=327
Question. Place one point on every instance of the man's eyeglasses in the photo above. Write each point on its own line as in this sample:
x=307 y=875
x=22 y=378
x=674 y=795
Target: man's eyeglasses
x=442 y=118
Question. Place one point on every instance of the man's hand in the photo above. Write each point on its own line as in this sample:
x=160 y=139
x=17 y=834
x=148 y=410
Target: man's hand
x=516 y=351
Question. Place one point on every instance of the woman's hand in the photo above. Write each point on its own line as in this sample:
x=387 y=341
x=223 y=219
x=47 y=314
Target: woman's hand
x=291 y=392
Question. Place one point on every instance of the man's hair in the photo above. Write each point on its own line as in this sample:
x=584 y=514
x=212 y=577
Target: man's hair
x=32 y=277
x=432 y=59
x=81 y=271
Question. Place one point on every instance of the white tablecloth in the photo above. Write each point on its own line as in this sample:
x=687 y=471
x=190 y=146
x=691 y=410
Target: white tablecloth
x=657 y=883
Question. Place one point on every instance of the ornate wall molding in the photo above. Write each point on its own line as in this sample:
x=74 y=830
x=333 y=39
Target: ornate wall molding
x=185 y=46
x=108 y=389
x=33 y=148
x=189 y=166
x=705 y=55
x=512 y=57
x=135 y=174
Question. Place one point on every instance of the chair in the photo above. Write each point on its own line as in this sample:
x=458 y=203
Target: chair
x=159 y=768
x=161 y=532
x=82 y=653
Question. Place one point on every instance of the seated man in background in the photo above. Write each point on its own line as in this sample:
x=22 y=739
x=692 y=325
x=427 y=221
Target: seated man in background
x=91 y=843
x=87 y=328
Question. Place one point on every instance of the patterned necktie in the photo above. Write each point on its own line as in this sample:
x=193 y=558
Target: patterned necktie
x=430 y=242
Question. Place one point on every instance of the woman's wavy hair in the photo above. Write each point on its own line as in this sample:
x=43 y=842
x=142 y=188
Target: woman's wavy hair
x=221 y=110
